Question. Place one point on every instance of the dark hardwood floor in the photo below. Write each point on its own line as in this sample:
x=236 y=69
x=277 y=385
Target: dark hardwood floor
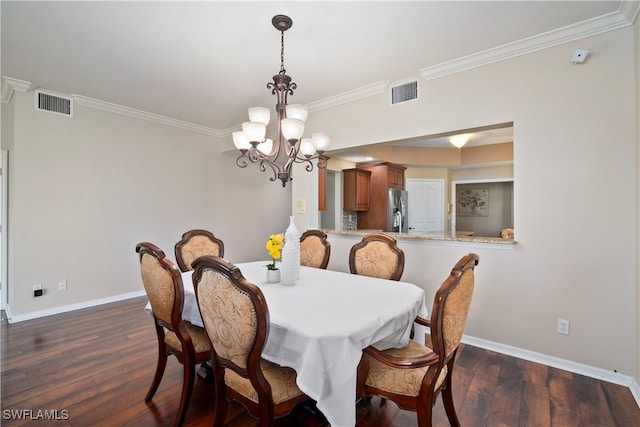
x=95 y=365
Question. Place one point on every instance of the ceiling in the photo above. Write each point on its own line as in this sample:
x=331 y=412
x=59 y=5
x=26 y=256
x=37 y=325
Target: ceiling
x=204 y=63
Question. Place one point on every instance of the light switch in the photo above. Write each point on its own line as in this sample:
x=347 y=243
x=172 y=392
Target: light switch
x=301 y=206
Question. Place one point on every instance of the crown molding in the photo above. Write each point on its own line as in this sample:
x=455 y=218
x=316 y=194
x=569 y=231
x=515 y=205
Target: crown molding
x=139 y=114
x=630 y=10
x=590 y=27
x=350 y=96
x=9 y=85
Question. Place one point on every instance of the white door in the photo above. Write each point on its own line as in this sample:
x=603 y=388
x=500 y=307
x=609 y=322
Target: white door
x=426 y=205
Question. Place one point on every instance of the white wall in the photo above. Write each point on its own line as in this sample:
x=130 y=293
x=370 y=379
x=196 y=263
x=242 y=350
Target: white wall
x=84 y=190
x=575 y=155
x=636 y=28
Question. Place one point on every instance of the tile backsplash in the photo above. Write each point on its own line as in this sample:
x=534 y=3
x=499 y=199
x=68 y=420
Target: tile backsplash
x=349 y=220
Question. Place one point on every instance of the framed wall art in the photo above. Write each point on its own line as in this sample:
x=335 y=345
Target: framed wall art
x=473 y=202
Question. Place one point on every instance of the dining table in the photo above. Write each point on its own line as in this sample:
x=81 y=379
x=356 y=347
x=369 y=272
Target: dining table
x=320 y=325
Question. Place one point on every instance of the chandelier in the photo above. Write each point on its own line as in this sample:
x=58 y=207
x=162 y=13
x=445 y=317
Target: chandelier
x=289 y=147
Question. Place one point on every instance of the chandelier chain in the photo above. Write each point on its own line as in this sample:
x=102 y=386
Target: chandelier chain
x=282 y=70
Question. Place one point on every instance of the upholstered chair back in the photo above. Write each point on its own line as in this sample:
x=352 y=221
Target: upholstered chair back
x=451 y=307
x=377 y=255
x=194 y=244
x=315 y=250
x=160 y=284
x=230 y=317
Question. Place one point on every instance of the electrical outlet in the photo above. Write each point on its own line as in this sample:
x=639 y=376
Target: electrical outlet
x=37 y=290
x=563 y=326
x=62 y=285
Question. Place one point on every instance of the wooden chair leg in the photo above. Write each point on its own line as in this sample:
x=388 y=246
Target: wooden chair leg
x=220 y=410
x=425 y=415
x=220 y=403
x=157 y=377
x=188 y=378
x=447 y=397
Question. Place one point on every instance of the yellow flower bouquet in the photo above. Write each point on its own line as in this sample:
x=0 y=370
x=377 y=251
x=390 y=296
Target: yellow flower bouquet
x=274 y=247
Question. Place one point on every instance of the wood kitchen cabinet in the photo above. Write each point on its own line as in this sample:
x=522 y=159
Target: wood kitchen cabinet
x=395 y=176
x=383 y=177
x=322 y=189
x=355 y=189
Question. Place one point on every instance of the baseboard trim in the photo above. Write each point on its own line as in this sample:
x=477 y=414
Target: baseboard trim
x=7 y=312
x=70 y=307
x=556 y=362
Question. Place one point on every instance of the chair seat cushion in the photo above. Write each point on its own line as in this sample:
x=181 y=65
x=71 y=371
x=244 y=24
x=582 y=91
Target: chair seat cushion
x=199 y=338
x=405 y=382
x=282 y=381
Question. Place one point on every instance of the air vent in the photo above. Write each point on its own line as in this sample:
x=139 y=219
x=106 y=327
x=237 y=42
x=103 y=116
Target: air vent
x=404 y=93
x=54 y=104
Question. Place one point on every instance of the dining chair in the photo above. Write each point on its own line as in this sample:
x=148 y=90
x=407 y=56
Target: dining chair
x=188 y=343
x=236 y=318
x=377 y=255
x=414 y=375
x=195 y=243
x=315 y=249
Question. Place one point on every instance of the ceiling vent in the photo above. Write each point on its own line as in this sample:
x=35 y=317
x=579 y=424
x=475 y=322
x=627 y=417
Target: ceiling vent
x=54 y=104
x=403 y=93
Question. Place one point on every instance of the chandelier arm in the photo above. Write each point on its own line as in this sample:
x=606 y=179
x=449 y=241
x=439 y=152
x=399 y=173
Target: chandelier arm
x=274 y=168
x=291 y=88
x=288 y=165
x=309 y=166
x=321 y=161
x=254 y=155
x=264 y=161
x=241 y=161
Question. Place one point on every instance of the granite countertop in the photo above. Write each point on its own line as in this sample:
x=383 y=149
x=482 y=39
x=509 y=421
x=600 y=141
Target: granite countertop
x=435 y=236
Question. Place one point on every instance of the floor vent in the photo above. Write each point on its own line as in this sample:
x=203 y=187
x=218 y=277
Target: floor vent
x=405 y=92
x=54 y=104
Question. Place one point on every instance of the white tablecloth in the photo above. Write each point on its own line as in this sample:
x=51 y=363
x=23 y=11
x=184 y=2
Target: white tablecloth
x=320 y=326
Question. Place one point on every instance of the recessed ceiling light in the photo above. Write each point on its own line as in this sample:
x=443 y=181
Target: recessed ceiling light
x=459 y=140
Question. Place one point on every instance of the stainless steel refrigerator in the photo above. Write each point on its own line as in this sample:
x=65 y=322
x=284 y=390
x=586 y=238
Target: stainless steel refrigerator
x=397 y=211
